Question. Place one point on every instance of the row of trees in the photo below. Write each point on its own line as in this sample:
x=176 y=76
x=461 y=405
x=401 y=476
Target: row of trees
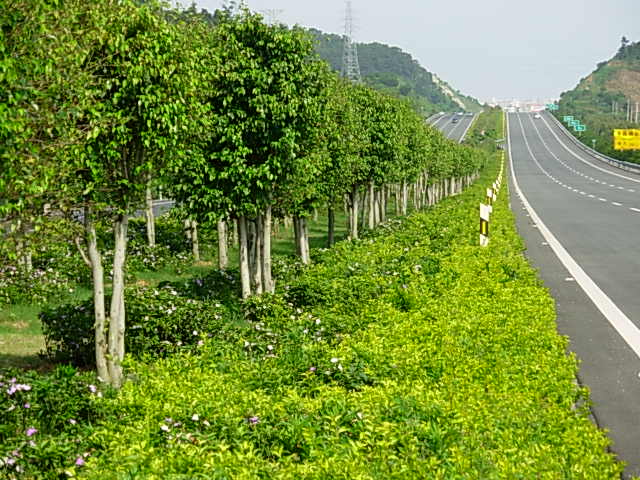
x=237 y=119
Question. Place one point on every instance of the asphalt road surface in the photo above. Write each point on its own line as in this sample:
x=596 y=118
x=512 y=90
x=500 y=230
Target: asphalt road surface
x=580 y=219
x=454 y=131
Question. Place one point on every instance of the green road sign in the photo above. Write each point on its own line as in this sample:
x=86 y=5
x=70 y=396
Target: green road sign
x=573 y=123
x=567 y=118
x=580 y=128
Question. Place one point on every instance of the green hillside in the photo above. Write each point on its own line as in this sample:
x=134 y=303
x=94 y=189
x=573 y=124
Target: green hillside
x=600 y=100
x=392 y=70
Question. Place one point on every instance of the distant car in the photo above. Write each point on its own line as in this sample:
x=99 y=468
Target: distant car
x=469 y=114
x=455 y=120
x=537 y=115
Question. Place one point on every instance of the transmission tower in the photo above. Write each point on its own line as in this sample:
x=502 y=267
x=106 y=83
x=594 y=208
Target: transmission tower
x=350 y=66
x=272 y=15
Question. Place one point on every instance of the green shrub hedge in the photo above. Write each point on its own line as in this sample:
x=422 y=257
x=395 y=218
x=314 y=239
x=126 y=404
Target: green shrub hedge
x=409 y=354
x=160 y=321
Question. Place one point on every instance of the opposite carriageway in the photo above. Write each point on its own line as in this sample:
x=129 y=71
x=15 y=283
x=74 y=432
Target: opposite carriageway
x=454 y=130
x=580 y=218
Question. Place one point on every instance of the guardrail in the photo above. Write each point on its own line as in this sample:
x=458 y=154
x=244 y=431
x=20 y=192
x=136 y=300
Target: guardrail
x=628 y=166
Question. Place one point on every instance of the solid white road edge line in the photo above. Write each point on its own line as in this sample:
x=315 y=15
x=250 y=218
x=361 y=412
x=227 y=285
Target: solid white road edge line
x=616 y=317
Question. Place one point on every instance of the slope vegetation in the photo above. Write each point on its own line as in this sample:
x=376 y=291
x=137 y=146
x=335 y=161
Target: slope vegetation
x=392 y=70
x=600 y=100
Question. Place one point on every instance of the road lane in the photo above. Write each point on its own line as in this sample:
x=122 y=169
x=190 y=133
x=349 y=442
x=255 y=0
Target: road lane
x=454 y=131
x=594 y=224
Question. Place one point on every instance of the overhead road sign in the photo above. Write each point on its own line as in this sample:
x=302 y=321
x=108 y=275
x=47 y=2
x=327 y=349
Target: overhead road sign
x=626 y=139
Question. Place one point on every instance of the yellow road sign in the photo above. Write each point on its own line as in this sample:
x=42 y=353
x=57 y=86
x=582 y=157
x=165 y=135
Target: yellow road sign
x=626 y=139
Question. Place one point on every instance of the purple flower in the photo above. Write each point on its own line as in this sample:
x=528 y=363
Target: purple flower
x=93 y=389
x=10 y=461
x=27 y=405
x=254 y=420
x=164 y=428
x=31 y=431
x=312 y=369
x=72 y=421
x=79 y=461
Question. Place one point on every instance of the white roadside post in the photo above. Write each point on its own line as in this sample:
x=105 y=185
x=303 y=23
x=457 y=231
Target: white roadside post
x=485 y=212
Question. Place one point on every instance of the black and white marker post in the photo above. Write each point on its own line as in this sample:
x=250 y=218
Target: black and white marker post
x=487 y=208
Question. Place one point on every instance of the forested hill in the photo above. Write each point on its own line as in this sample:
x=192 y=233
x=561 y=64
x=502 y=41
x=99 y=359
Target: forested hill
x=600 y=99
x=390 y=69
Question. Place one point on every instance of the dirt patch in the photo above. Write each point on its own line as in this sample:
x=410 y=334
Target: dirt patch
x=626 y=82
x=204 y=264
x=19 y=325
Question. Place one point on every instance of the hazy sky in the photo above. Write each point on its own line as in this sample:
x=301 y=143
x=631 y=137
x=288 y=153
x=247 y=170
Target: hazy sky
x=523 y=49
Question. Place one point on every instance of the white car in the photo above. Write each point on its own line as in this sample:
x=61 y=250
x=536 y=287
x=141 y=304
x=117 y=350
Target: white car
x=537 y=115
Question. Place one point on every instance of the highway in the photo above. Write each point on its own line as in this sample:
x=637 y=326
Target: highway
x=454 y=131
x=580 y=219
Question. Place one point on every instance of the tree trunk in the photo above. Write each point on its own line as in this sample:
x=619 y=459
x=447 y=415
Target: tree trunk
x=223 y=254
x=97 y=273
x=195 y=244
x=377 y=206
x=403 y=198
x=296 y=236
x=257 y=255
x=383 y=203
x=22 y=251
x=304 y=226
x=302 y=245
x=187 y=230
x=244 y=257
x=251 y=251
x=371 y=199
x=331 y=227
x=235 y=234
x=267 y=279
x=151 y=222
x=117 y=311
x=353 y=227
